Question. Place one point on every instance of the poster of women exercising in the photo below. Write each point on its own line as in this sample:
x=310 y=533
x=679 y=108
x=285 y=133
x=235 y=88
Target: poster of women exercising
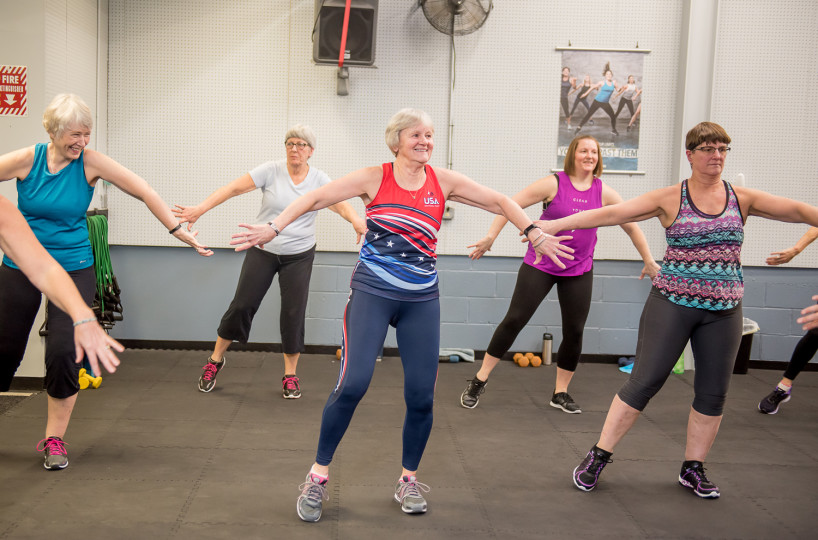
x=601 y=95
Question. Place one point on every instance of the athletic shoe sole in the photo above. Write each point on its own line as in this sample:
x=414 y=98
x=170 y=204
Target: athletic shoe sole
x=580 y=486
x=711 y=495
x=409 y=511
x=308 y=520
x=290 y=396
x=776 y=409
x=467 y=406
x=55 y=468
x=558 y=406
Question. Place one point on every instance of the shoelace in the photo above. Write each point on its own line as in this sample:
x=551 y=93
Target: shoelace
x=698 y=474
x=52 y=446
x=597 y=463
x=210 y=371
x=413 y=489
x=314 y=492
x=291 y=383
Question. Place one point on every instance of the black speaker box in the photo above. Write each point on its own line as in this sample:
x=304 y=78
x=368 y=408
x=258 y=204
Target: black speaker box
x=360 y=45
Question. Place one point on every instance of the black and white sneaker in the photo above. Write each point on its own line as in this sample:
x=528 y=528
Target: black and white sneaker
x=564 y=401
x=586 y=474
x=207 y=381
x=471 y=395
x=693 y=477
x=773 y=400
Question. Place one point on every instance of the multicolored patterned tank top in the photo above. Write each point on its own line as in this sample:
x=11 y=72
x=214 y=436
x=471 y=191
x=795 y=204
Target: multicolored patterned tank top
x=398 y=258
x=702 y=264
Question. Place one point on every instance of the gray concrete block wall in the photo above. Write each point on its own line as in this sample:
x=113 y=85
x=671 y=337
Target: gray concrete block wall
x=172 y=294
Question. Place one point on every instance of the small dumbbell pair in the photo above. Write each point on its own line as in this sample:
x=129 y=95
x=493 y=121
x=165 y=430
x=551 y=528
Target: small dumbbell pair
x=87 y=380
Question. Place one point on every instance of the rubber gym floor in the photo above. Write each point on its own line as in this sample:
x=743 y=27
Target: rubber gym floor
x=152 y=457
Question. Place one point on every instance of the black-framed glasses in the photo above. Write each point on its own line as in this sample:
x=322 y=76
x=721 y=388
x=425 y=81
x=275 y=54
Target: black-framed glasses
x=710 y=150
x=299 y=145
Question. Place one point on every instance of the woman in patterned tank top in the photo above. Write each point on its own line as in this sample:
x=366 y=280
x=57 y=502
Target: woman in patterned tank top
x=696 y=297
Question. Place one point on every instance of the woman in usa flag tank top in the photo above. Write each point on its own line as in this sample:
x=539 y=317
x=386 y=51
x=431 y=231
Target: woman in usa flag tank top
x=394 y=283
x=696 y=297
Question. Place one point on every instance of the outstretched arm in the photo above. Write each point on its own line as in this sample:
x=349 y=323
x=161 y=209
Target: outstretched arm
x=542 y=189
x=20 y=244
x=785 y=256
x=361 y=183
x=611 y=197
x=755 y=202
x=99 y=165
x=190 y=214
x=461 y=188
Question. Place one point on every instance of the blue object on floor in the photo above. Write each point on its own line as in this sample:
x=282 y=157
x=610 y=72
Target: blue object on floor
x=626 y=369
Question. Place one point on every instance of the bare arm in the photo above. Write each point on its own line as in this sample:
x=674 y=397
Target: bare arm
x=99 y=165
x=461 y=188
x=759 y=203
x=785 y=256
x=541 y=190
x=190 y=214
x=20 y=244
x=610 y=197
x=345 y=210
x=362 y=183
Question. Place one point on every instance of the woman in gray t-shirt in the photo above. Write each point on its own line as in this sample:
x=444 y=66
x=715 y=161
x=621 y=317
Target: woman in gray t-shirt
x=290 y=254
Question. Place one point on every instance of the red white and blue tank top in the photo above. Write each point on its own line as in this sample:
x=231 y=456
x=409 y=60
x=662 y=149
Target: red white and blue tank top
x=568 y=201
x=702 y=264
x=398 y=259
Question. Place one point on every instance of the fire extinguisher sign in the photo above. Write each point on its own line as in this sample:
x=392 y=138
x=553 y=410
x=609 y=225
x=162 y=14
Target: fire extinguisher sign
x=13 y=97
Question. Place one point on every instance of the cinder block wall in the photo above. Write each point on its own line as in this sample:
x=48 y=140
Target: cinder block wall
x=172 y=294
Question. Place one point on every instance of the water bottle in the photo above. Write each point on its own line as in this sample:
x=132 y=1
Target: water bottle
x=547 y=342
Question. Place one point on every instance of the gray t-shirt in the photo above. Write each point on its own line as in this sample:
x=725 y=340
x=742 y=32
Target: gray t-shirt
x=278 y=191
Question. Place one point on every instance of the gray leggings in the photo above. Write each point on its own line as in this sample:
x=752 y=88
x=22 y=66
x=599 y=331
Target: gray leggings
x=664 y=329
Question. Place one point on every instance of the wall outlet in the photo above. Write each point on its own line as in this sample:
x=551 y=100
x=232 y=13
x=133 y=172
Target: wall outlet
x=448 y=213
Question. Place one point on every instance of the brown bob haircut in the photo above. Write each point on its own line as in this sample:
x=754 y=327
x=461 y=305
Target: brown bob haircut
x=568 y=165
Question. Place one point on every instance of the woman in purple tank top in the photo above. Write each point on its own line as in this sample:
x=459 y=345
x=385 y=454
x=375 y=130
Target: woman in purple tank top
x=563 y=194
x=696 y=297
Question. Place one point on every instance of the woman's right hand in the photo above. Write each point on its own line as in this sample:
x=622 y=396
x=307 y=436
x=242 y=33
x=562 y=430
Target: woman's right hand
x=187 y=214
x=810 y=316
x=481 y=247
x=190 y=239
x=781 y=257
x=93 y=343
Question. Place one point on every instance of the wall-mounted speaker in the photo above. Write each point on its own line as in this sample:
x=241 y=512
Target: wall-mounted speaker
x=329 y=25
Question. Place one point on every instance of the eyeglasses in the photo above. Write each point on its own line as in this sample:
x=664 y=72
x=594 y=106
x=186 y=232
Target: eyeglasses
x=710 y=150
x=300 y=145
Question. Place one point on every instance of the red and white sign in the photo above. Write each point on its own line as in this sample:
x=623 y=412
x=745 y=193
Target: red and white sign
x=13 y=96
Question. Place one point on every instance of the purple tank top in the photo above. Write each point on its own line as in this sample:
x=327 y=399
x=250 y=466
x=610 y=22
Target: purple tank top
x=568 y=201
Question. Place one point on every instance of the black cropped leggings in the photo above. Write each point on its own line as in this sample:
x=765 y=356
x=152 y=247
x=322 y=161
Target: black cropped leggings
x=605 y=107
x=803 y=353
x=574 y=294
x=664 y=330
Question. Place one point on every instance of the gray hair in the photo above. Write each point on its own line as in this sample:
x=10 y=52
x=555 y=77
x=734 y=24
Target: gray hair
x=303 y=132
x=64 y=111
x=403 y=119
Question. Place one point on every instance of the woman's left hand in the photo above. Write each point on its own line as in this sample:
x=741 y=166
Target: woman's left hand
x=93 y=343
x=256 y=235
x=810 y=318
x=651 y=270
x=190 y=239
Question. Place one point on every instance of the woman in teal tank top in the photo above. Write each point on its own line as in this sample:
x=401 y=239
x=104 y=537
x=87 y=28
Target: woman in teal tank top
x=696 y=297
x=55 y=183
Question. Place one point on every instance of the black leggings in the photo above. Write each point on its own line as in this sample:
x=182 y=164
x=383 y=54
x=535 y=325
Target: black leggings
x=19 y=303
x=257 y=273
x=803 y=353
x=574 y=294
x=664 y=330
x=605 y=107
x=622 y=103
x=577 y=102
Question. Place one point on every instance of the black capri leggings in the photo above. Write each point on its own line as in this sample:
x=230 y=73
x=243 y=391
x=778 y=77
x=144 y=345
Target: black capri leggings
x=19 y=303
x=664 y=330
x=257 y=273
x=802 y=354
x=574 y=294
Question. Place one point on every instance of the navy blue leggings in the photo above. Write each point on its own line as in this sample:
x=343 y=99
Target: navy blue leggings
x=366 y=320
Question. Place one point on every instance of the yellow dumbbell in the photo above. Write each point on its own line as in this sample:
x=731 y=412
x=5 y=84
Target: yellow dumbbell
x=86 y=380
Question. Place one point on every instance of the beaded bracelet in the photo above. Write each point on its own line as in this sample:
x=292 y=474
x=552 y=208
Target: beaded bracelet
x=92 y=319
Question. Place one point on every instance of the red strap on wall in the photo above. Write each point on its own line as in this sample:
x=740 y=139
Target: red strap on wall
x=344 y=35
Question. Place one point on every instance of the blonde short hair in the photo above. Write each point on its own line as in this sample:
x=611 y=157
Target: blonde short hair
x=64 y=111
x=303 y=132
x=401 y=120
